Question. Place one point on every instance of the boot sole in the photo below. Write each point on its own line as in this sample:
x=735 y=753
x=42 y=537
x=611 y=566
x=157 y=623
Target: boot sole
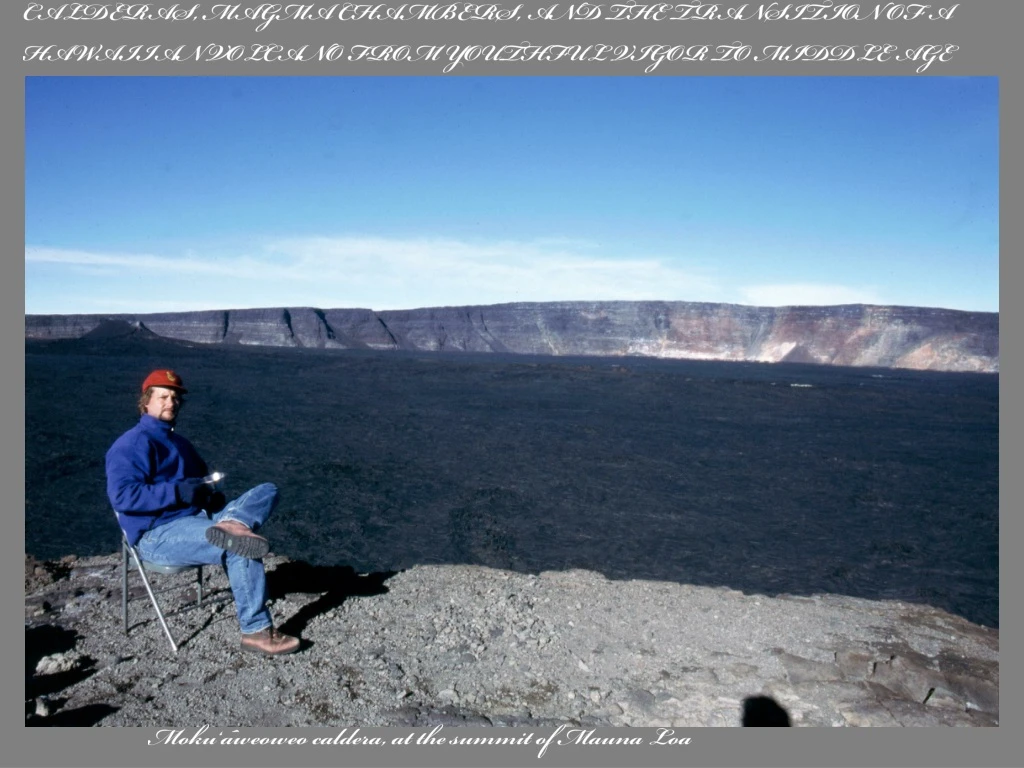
x=251 y=547
x=262 y=652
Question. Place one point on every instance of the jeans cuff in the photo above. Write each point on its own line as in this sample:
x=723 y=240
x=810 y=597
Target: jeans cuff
x=253 y=632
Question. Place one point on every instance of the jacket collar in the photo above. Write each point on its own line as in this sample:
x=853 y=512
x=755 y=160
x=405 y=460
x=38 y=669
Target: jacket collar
x=153 y=424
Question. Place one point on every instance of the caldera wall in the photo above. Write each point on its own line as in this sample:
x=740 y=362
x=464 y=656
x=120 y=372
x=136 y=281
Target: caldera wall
x=849 y=335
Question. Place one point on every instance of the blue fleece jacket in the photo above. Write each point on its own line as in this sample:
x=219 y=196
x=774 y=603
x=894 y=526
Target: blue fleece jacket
x=143 y=466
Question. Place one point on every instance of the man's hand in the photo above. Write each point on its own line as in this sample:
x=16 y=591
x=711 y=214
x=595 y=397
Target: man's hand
x=192 y=491
x=216 y=502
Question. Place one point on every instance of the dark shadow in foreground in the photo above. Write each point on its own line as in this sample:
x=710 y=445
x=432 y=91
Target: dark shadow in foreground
x=48 y=640
x=760 y=711
x=82 y=717
x=45 y=641
x=334 y=583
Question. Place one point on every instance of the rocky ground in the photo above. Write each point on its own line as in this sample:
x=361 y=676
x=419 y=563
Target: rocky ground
x=470 y=645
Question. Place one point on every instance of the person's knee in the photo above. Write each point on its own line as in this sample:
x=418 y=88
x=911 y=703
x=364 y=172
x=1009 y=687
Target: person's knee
x=268 y=493
x=268 y=489
x=262 y=493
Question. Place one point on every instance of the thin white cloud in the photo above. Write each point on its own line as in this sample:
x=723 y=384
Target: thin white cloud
x=807 y=294
x=142 y=263
x=389 y=273
x=432 y=272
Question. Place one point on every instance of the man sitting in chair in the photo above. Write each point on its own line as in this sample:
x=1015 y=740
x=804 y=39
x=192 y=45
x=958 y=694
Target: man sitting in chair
x=155 y=482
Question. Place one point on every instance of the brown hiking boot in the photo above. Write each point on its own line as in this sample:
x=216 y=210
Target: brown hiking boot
x=238 y=538
x=270 y=642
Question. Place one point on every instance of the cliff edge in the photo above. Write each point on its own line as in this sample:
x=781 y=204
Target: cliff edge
x=847 y=335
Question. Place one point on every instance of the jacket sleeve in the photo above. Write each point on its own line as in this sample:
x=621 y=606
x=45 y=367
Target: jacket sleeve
x=130 y=484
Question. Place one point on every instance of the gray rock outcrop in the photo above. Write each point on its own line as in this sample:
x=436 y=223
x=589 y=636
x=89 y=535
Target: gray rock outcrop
x=469 y=645
x=848 y=335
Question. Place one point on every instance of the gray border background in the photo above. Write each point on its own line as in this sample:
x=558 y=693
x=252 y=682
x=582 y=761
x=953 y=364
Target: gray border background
x=987 y=33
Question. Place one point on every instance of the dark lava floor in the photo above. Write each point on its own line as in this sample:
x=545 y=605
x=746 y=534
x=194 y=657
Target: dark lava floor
x=798 y=479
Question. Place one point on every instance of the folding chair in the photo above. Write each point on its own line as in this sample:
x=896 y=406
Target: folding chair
x=142 y=566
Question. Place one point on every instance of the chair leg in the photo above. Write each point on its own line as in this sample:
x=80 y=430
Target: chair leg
x=124 y=585
x=152 y=597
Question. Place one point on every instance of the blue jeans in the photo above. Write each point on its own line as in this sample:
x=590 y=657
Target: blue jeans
x=183 y=542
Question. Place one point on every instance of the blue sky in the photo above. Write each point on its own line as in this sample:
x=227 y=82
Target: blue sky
x=150 y=194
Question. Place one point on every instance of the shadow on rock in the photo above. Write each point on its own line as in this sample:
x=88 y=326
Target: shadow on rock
x=46 y=685
x=45 y=641
x=82 y=717
x=761 y=711
x=335 y=583
x=52 y=665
